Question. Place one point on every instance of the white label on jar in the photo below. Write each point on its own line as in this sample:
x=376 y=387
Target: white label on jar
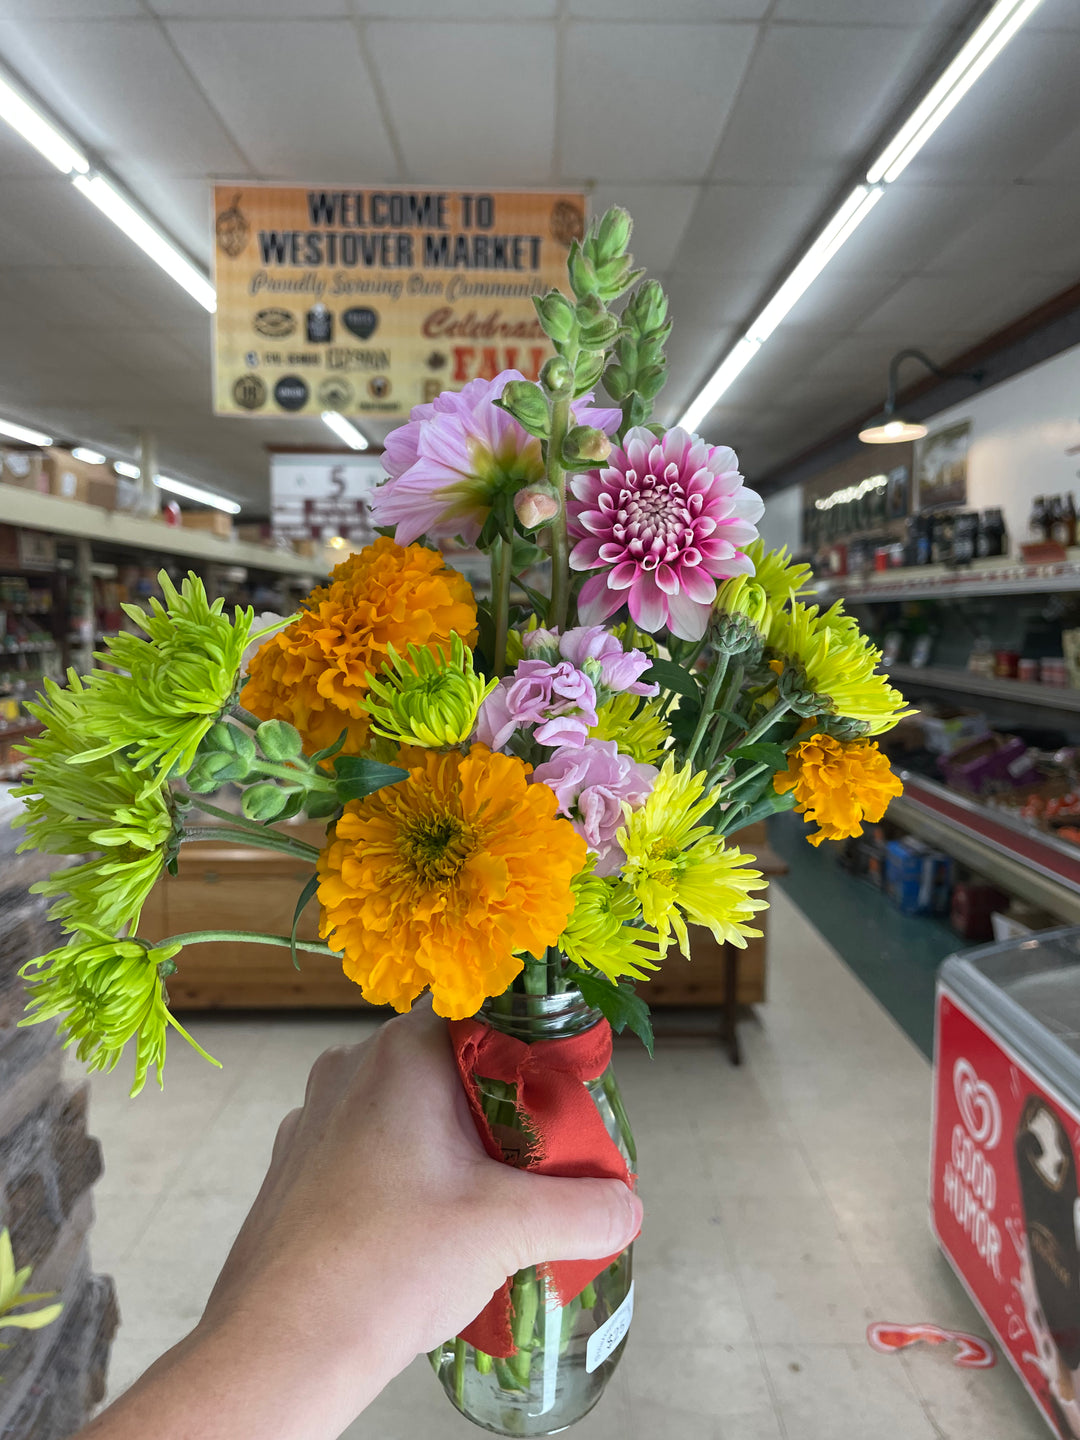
x=603 y=1341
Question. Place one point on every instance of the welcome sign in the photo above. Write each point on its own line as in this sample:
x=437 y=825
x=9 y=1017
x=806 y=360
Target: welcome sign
x=369 y=302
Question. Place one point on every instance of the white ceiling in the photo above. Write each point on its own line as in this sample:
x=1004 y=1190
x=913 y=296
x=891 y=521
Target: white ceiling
x=728 y=127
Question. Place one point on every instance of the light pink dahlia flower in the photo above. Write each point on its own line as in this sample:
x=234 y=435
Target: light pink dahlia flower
x=661 y=522
x=455 y=454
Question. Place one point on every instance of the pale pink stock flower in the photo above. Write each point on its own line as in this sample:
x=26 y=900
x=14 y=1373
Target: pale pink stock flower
x=616 y=669
x=455 y=454
x=559 y=700
x=662 y=522
x=592 y=781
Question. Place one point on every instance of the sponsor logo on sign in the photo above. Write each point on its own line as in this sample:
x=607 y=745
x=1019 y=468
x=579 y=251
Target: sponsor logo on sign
x=275 y=323
x=979 y=1107
x=335 y=394
x=232 y=229
x=291 y=393
x=350 y=357
x=361 y=320
x=249 y=392
x=378 y=387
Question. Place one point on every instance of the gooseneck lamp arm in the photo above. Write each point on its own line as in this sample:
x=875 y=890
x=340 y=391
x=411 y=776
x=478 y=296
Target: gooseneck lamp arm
x=894 y=373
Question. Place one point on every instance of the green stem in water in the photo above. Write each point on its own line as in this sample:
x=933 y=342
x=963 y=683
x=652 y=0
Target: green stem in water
x=767 y=721
x=525 y=1298
x=483 y=1362
x=501 y=600
x=611 y=1090
x=252 y=826
x=459 y=1372
x=744 y=779
x=708 y=705
x=560 y=541
x=732 y=688
x=588 y=1296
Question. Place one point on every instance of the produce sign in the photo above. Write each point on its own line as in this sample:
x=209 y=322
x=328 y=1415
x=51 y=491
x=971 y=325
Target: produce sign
x=1005 y=1205
x=315 y=497
x=369 y=302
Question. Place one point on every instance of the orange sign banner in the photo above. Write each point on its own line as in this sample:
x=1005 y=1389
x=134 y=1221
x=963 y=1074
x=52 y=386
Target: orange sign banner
x=369 y=302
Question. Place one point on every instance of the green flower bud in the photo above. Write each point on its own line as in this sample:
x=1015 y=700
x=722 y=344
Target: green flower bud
x=529 y=407
x=279 y=741
x=613 y=233
x=556 y=377
x=616 y=382
x=600 y=334
x=741 y=618
x=225 y=739
x=556 y=316
x=264 y=801
x=792 y=685
x=585 y=447
x=587 y=371
x=581 y=271
x=536 y=505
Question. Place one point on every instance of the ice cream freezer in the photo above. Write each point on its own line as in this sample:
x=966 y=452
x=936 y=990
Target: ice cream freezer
x=1004 y=1195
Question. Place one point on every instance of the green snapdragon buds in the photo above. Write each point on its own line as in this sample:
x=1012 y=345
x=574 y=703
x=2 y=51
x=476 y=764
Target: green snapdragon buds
x=279 y=741
x=536 y=505
x=526 y=403
x=585 y=447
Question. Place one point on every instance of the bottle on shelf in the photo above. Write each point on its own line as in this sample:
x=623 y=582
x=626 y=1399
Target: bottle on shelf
x=1039 y=520
x=991 y=537
x=1063 y=521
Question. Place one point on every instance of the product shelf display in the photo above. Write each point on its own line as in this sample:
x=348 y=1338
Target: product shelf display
x=964 y=682
x=1004 y=1195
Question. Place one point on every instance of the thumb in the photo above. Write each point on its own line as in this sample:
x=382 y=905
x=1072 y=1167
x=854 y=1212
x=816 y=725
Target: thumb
x=568 y=1219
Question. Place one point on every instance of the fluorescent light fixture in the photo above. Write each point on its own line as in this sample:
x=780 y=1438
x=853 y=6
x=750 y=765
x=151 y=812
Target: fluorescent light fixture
x=733 y=364
x=23 y=116
x=892 y=432
x=88 y=457
x=24 y=433
x=108 y=199
x=196 y=492
x=847 y=219
x=344 y=431
x=986 y=42
x=125 y=468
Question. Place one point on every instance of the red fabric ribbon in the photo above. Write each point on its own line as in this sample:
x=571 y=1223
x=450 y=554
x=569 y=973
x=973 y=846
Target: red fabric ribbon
x=571 y=1138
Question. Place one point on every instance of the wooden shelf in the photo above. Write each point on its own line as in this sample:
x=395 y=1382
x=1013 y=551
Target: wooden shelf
x=935 y=582
x=28 y=509
x=1050 y=697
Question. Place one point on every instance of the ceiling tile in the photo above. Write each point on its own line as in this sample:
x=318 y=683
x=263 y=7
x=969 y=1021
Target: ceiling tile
x=1055 y=15
x=871 y=12
x=1028 y=227
x=615 y=131
x=181 y=203
x=813 y=99
x=249 y=70
x=1061 y=162
x=250 y=9
x=1010 y=119
x=462 y=9
x=751 y=228
x=660 y=212
x=69 y=9
x=671 y=10
x=63 y=290
x=909 y=226
x=488 y=112
x=123 y=90
x=983 y=300
x=72 y=231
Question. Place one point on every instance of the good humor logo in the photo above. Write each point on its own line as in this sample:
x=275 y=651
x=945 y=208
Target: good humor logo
x=970 y=1181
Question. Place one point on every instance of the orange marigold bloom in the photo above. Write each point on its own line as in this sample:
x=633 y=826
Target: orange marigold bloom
x=838 y=786
x=442 y=879
x=314 y=673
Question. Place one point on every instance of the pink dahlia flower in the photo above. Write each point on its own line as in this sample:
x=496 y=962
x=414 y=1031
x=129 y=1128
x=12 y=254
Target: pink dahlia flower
x=592 y=782
x=662 y=522
x=559 y=700
x=455 y=454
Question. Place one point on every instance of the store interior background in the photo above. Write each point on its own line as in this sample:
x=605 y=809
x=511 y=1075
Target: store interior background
x=786 y=1198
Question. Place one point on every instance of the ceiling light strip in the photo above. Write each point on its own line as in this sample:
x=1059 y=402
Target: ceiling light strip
x=38 y=130
x=24 y=434
x=197 y=493
x=985 y=43
x=344 y=430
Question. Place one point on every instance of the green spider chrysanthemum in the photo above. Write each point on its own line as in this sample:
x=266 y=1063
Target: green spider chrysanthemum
x=106 y=992
x=601 y=932
x=634 y=725
x=14 y=1296
x=681 y=871
x=427 y=699
x=782 y=579
x=174 y=683
x=827 y=666
x=83 y=809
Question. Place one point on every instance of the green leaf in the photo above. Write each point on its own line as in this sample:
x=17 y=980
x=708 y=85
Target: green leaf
x=763 y=752
x=769 y=804
x=331 y=750
x=670 y=676
x=356 y=776
x=485 y=643
x=306 y=895
x=620 y=1005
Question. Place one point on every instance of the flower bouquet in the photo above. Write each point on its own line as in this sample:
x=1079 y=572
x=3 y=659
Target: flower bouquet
x=527 y=801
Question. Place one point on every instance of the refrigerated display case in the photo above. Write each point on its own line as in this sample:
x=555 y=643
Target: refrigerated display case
x=1004 y=1195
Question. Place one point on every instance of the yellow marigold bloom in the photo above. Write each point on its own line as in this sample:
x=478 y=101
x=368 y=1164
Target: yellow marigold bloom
x=314 y=673
x=838 y=786
x=635 y=727
x=834 y=668
x=680 y=870
x=445 y=878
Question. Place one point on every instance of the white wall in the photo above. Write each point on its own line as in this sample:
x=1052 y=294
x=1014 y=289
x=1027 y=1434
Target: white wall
x=1020 y=433
x=782 y=522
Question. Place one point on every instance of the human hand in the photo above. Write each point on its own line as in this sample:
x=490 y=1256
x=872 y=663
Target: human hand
x=382 y=1229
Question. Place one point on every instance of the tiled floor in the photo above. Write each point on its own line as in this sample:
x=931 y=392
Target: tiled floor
x=785 y=1210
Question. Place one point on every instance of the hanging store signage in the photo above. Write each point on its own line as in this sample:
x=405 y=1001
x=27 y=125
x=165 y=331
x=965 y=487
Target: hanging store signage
x=369 y=302
x=317 y=497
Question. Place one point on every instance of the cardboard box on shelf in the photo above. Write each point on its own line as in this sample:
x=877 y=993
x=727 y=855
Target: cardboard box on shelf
x=309 y=549
x=73 y=479
x=216 y=521
x=25 y=469
x=257 y=534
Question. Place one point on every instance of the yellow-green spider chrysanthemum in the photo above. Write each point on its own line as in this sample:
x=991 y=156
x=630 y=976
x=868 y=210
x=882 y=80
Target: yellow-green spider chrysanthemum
x=838 y=666
x=681 y=871
x=778 y=575
x=601 y=932
x=106 y=992
x=14 y=1296
x=427 y=699
x=635 y=726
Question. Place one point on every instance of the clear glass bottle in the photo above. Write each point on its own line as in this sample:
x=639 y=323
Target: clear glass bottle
x=566 y=1354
